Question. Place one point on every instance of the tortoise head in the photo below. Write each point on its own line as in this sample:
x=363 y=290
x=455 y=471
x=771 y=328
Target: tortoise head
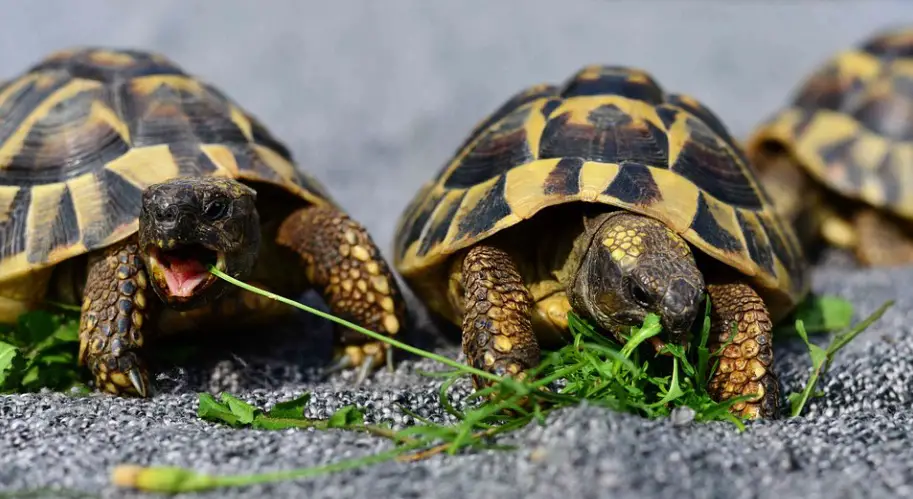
x=633 y=265
x=187 y=224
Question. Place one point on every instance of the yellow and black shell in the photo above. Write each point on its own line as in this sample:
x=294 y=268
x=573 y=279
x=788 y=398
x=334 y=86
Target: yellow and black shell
x=850 y=124
x=84 y=131
x=608 y=135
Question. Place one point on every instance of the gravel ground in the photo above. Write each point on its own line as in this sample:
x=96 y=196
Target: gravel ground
x=371 y=99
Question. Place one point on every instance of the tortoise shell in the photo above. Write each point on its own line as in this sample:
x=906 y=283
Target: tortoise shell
x=850 y=124
x=84 y=131
x=608 y=135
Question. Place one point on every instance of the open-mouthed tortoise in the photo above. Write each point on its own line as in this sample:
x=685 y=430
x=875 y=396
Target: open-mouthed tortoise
x=838 y=160
x=122 y=178
x=611 y=198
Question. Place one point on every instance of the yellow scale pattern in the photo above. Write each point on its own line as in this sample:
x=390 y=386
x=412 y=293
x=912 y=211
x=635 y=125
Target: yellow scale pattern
x=624 y=242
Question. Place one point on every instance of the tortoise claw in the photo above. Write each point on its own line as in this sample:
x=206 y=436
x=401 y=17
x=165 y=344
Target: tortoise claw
x=341 y=364
x=366 y=367
x=139 y=382
x=366 y=358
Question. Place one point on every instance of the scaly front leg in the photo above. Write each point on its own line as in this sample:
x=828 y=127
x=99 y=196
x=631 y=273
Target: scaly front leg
x=116 y=311
x=346 y=266
x=497 y=333
x=746 y=364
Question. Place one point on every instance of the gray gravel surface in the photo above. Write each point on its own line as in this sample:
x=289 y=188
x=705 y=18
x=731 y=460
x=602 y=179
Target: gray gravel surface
x=371 y=97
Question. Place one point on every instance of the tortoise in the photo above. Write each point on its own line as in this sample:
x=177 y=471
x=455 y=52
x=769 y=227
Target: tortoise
x=837 y=159
x=123 y=178
x=608 y=197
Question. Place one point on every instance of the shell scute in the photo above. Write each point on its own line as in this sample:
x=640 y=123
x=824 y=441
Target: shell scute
x=603 y=132
x=495 y=150
x=85 y=130
x=596 y=80
x=850 y=123
x=708 y=161
x=611 y=135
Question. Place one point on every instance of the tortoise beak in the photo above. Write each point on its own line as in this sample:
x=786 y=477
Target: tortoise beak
x=678 y=308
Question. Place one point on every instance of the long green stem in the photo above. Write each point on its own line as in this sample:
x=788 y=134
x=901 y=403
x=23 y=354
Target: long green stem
x=175 y=480
x=356 y=327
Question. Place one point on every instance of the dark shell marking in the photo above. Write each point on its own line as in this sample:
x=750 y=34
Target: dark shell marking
x=85 y=130
x=609 y=135
x=850 y=123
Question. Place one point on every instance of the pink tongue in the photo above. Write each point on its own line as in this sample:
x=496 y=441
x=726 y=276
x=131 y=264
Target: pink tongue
x=184 y=276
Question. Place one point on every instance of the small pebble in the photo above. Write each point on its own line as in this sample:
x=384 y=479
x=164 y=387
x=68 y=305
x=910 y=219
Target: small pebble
x=682 y=416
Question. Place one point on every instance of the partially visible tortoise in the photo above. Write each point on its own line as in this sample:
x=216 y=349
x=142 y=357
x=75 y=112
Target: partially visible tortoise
x=611 y=198
x=838 y=160
x=121 y=178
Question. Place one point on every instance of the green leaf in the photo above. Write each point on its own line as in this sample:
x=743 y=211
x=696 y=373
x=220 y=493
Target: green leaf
x=822 y=314
x=8 y=354
x=818 y=354
x=67 y=332
x=35 y=327
x=46 y=345
x=241 y=409
x=794 y=399
x=674 y=391
x=842 y=339
x=819 y=357
x=679 y=353
x=263 y=422
x=345 y=417
x=290 y=409
x=213 y=410
x=650 y=328
x=703 y=353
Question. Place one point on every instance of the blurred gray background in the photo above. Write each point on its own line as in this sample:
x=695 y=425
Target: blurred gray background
x=372 y=96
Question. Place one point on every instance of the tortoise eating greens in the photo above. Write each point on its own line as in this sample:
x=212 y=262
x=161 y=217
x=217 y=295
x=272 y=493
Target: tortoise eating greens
x=611 y=198
x=122 y=179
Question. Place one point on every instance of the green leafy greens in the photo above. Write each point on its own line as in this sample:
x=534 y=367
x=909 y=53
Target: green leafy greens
x=40 y=352
x=592 y=368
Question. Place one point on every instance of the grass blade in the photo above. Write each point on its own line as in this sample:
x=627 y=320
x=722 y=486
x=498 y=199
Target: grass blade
x=356 y=327
x=822 y=358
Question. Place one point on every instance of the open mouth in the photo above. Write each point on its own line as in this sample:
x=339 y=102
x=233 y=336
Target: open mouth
x=184 y=271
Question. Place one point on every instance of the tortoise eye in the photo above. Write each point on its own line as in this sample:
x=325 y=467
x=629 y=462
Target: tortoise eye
x=216 y=209
x=638 y=293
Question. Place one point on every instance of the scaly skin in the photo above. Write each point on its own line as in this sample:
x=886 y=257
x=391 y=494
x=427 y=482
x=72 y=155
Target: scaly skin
x=346 y=266
x=117 y=310
x=497 y=334
x=745 y=366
